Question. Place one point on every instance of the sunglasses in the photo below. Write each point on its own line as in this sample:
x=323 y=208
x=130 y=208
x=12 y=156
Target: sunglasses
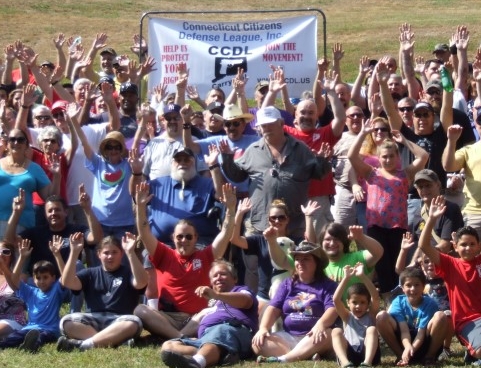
x=49 y=140
x=420 y=115
x=116 y=147
x=5 y=252
x=17 y=139
x=171 y=118
x=355 y=115
x=406 y=109
x=43 y=117
x=434 y=92
x=383 y=130
x=228 y=124
x=186 y=237
x=279 y=218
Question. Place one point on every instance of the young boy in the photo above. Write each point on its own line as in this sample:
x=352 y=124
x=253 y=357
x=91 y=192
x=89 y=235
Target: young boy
x=462 y=277
x=358 y=345
x=43 y=301
x=414 y=328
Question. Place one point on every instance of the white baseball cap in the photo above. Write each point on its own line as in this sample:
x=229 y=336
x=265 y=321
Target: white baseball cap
x=267 y=115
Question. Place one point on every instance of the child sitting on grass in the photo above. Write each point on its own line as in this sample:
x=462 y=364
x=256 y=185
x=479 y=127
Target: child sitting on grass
x=358 y=345
x=413 y=328
x=43 y=301
x=462 y=277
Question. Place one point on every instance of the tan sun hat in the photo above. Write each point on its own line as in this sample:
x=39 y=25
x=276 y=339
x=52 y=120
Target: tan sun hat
x=233 y=112
x=113 y=136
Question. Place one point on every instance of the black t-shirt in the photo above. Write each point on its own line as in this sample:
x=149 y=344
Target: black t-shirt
x=112 y=292
x=40 y=236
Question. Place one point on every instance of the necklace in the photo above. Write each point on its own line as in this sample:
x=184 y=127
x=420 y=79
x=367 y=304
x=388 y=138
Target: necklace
x=12 y=163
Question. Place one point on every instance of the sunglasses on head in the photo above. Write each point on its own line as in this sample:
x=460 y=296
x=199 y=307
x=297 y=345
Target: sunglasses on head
x=420 y=115
x=17 y=139
x=184 y=236
x=228 y=124
x=355 y=115
x=279 y=218
x=5 y=252
x=406 y=108
x=42 y=117
x=116 y=147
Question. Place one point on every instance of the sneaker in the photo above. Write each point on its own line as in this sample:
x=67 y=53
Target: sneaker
x=65 y=344
x=445 y=354
x=263 y=359
x=130 y=343
x=470 y=360
x=176 y=360
x=230 y=359
x=30 y=343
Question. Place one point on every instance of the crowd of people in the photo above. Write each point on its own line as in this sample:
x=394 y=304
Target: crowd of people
x=235 y=232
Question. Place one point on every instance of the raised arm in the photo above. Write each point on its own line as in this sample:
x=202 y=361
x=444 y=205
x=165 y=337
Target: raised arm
x=446 y=113
x=372 y=246
x=69 y=277
x=13 y=278
x=362 y=169
x=219 y=245
x=382 y=76
x=142 y=198
x=278 y=257
x=406 y=41
x=18 y=205
x=450 y=163
x=339 y=122
x=337 y=55
x=341 y=310
x=406 y=244
x=356 y=96
x=96 y=233
x=140 y=277
x=73 y=113
x=308 y=211
x=436 y=210
x=237 y=239
x=375 y=299
x=276 y=83
x=188 y=141
x=322 y=66
x=214 y=167
x=181 y=84
x=420 y=155
x=462 y=41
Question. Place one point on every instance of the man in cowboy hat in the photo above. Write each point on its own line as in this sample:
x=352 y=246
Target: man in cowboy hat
x=235 y=122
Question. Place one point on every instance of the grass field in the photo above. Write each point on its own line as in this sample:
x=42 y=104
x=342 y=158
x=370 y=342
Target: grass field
x=364 y=27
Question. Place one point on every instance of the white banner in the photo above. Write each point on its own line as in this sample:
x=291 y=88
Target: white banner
x=214 y=50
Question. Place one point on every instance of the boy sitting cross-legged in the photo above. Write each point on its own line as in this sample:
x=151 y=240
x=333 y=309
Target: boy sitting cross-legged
x=414 y=328
x=358 y=344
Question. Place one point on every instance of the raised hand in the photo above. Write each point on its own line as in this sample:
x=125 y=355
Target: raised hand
x=192 y=92
x=337 y=51
x=244 y=206
x=128 y=242
x=364 y=65
x=135 y=161
x=270 y=233
x=24 y=248
x=18 y=203
x=229 y=198
x=53 y=163
x=407 y=241
x=73 y=110
x=182 y=75
x=160 y=92
x=310 y=208
x=406 y=37
x=324 y=151
x=28 y=96
x=355 y=232
x=224 y=147
x=462 y=37
x=454 y=132
x=56 y=244
x=382 y=72
x=142 y=194
x=84 y=198
x=100 y=41
x=59 y=40
x=331 y=78
x=76 y=242
x=438 y=207
x=419 y=64
x=212 y=157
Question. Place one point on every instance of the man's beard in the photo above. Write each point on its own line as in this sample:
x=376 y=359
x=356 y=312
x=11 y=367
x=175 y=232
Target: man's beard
x=183 y=175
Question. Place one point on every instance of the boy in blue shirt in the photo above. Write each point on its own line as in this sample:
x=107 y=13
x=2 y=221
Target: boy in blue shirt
x=414 y=328
x=43 y=301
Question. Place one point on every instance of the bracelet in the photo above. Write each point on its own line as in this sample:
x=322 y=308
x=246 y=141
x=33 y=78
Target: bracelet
x=212 y=167
x=187 y=126
x=53 y=83
x=136 y=174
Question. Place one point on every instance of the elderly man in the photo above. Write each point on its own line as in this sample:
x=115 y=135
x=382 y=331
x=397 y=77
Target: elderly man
x=279 y=166
x=227 y=328
x=181 y=270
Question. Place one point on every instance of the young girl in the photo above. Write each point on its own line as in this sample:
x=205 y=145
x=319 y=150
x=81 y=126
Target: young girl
x=358 y=345
x=387 y=190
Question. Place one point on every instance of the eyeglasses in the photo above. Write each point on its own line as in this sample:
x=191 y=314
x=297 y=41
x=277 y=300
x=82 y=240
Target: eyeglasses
x=355 y=115
x=43 y=117
x=236 y=124
x=5 y=252
x=184 y=236
x=116 y=147
x=406 y=108
x=420 y=115
x=17 y=139
x=382 y=130
x=47 y=140
x=279 y=218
